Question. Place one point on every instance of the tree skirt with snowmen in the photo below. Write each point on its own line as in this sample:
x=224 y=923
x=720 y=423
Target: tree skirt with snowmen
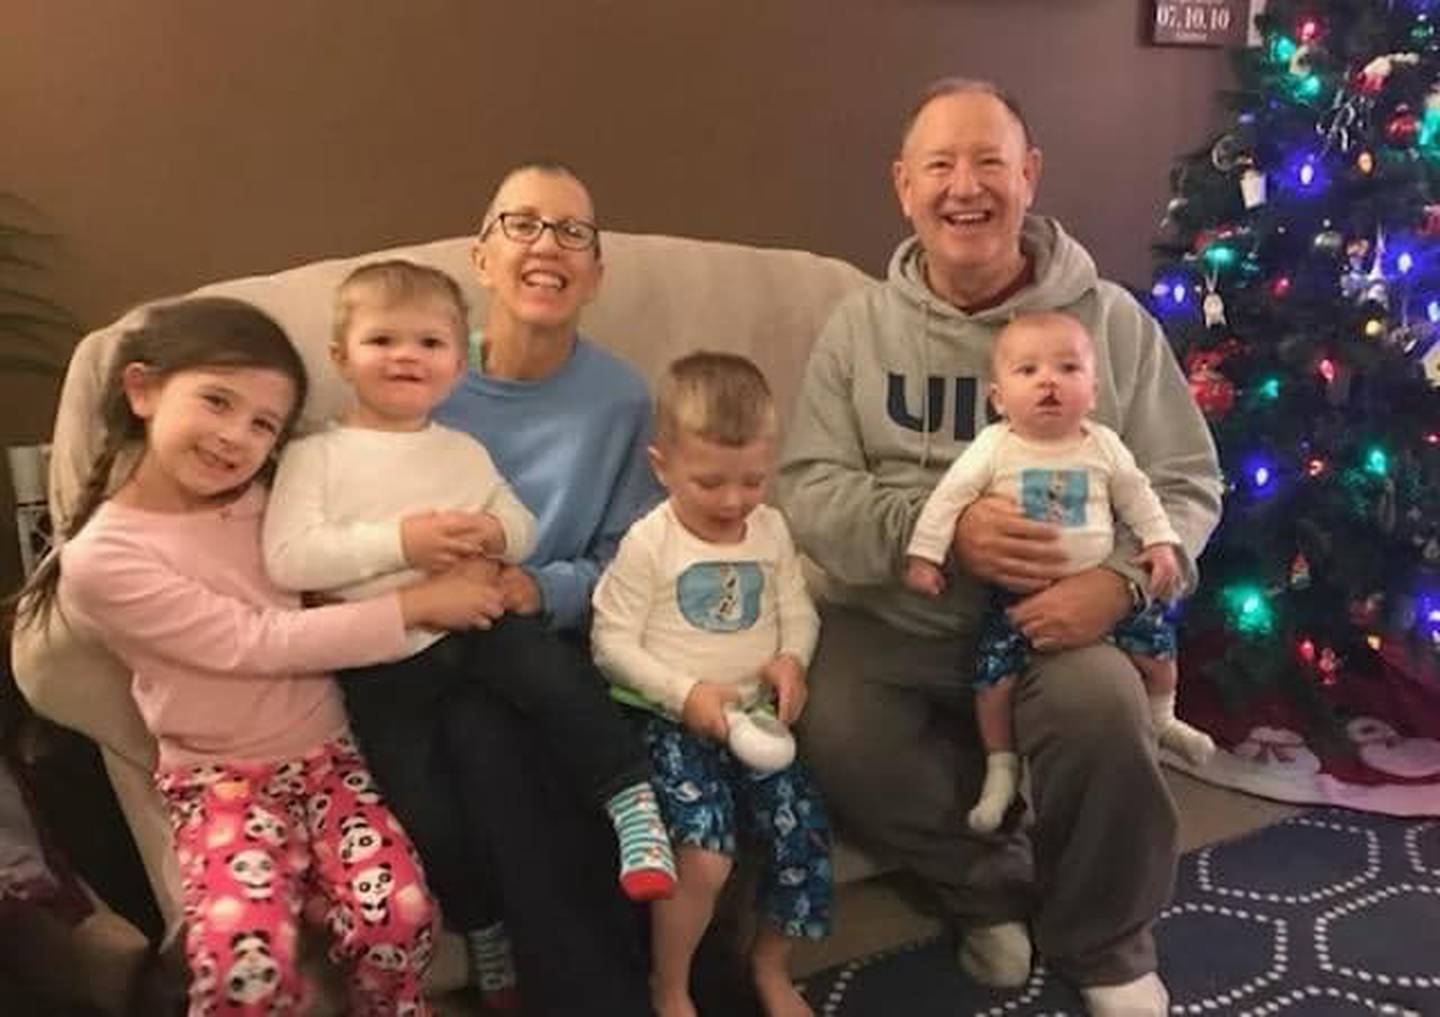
x=1385 y=759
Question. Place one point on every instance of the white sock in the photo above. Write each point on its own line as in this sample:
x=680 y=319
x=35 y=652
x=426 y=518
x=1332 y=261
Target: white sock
x=996 y=955
x=1145 y=996
x=1002 y=777
x=1189 y=743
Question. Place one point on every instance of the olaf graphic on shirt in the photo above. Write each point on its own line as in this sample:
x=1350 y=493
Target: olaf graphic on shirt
x=1055 y=496
x=720 y=596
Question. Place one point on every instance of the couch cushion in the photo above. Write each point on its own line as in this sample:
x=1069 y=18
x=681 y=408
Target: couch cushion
x=662 y=297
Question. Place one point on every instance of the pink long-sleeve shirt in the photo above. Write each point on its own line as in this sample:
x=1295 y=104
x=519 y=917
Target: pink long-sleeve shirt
x=227 y=667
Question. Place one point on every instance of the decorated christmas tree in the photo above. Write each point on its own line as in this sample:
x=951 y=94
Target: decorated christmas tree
x=1298 y=275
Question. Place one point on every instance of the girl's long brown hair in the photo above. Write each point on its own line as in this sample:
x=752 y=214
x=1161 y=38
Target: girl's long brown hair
x=196 y=334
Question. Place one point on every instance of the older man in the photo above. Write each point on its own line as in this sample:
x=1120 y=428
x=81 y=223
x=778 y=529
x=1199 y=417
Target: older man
x=892 y=393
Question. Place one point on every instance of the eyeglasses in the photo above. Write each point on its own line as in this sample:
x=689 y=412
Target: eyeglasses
x=526 y=227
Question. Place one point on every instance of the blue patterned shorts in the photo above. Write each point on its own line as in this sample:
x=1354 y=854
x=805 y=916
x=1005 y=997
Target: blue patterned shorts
x=1003 y=651
x=702 y=787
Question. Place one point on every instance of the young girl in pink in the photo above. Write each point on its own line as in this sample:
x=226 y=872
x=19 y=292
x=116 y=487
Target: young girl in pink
x=273 y=811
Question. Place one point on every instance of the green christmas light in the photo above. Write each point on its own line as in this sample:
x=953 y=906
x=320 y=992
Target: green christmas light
x=1429 y=129
x=1270 y=389
x=1249 y=610
x=1377 y=462
x=1219 y=256
x=1282 y=49
x=1309 y=87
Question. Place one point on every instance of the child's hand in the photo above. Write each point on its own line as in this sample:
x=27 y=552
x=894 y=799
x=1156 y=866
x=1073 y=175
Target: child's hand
x=786 y=676
x=465 y=597
x=491 y=533
x=434 y=541
x=1163 y=565
x=704 y=711
x=924 y=577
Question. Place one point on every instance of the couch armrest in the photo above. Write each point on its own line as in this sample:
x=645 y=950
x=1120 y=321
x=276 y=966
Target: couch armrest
x=73 y=680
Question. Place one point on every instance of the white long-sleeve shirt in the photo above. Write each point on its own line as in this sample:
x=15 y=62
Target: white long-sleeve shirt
x=333 y=523
x=673 y=610
x=1077 y=484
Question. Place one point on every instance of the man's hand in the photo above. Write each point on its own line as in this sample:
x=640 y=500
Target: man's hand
x=786 y=676
x=1075 y=611
x=924 y=577
x=995 y=542
x=434 y=541
x=521 y=592
x=1163 y=565
x=704 y=711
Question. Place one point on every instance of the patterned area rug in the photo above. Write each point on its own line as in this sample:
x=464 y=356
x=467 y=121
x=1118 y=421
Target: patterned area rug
x=1326 y=914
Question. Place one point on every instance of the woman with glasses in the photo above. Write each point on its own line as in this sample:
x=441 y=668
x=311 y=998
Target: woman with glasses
x=568 y=424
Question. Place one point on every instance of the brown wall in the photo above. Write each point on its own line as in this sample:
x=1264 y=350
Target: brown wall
x=174 y=142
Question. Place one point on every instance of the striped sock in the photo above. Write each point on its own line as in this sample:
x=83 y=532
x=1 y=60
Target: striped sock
x=647 y=868
x=494 y=967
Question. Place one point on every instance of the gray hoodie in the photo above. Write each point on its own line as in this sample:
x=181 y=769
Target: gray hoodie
x=896 y=388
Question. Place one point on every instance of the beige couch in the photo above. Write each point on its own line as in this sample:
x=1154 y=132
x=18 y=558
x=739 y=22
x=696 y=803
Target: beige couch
x=662 y=296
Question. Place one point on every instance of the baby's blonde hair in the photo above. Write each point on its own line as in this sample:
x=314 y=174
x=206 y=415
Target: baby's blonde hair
x=720 y=397
x=397 y=281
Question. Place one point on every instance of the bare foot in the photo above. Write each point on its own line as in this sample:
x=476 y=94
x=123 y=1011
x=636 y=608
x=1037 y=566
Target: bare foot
x=779 y=996
x=672 y=1004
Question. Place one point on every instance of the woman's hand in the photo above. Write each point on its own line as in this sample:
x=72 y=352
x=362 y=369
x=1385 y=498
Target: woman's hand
x=521 y=592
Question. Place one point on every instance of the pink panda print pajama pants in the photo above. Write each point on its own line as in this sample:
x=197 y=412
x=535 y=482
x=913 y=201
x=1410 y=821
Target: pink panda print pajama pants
x=261 y=846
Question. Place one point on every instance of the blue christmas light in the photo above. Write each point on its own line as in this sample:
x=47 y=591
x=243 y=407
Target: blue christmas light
x=1405 y=261
x=1171 y=292
x=1308 y=173
x=1262 y=476
x=1432 y=311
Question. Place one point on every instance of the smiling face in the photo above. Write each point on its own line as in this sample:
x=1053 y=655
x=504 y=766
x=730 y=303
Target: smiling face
x=1044 y=376
x=537 y=285
x=401 y=357
x=208 y=431
x=965 y=178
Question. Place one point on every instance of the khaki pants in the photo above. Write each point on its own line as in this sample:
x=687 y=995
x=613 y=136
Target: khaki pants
x=890 y=736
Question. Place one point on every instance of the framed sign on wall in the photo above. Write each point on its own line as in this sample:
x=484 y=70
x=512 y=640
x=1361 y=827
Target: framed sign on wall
x=1200 y=22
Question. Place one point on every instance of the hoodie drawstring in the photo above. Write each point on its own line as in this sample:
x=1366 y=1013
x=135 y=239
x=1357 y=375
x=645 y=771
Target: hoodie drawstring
x=925 y=387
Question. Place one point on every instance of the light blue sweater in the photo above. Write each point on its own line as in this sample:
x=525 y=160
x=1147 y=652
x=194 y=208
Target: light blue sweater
x=573 y=446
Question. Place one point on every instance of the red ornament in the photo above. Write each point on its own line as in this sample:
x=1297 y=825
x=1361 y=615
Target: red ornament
x=1213 y=392
x=1402 y=127
x=1431 y=224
